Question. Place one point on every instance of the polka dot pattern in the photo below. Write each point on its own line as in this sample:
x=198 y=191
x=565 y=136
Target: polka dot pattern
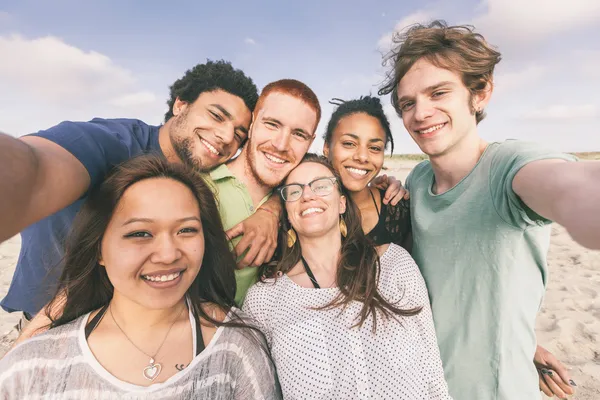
x=319 y=355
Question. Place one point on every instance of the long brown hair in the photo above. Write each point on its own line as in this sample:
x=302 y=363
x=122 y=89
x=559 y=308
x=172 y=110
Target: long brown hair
x=85 y=283
x=359 y=266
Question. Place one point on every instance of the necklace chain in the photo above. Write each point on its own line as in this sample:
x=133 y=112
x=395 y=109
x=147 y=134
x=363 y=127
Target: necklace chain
x=131 y=341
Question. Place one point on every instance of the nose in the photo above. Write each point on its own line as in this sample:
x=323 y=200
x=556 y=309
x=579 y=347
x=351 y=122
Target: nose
x=225 y=133
x=166 y=251
x=307 y=193
x=361 y=154
x=423 y=110
x=281 y=140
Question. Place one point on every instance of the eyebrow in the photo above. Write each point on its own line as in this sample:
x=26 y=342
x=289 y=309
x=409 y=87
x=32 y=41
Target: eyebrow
x=355 y=136
x=431 y=88
x=278 y=122
x=149 y=220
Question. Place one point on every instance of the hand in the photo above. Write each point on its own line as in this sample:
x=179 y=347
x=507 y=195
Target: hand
x=259 y=238
x=394 y=191
x=554 y=378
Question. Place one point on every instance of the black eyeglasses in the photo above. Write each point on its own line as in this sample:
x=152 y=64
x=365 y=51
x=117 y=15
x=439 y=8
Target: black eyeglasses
x=320 y=187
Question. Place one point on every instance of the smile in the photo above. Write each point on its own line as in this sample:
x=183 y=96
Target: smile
x=210 y=147
x=431 y=129
x=312 y=210
x=356 y=171
x=161 y=278
x=274 y=159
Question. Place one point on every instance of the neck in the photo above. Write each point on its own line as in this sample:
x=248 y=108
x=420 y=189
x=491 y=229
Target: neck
x=362 y=198
x=322 y=253
x=133 y=318
x=241 y=169
x=164 y=141
x=451 y=167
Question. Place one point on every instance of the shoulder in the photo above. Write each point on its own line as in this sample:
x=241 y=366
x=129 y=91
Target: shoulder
x=421 y=170
x=522 y=152
x=397 y=263
x=263 y=294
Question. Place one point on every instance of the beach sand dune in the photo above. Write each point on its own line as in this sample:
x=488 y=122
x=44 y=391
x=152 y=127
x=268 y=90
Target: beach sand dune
x=568 y=324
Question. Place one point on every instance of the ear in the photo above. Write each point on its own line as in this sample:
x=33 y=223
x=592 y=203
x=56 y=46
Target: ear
x=179 y=106
x=482 y=98
x=342 y=204
x=101 y=262
x=326 y=150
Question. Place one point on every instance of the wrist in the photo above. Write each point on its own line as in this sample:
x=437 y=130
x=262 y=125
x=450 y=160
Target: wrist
x=273 y=213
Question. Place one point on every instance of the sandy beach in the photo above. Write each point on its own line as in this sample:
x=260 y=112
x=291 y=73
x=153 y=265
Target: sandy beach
x=568 y=324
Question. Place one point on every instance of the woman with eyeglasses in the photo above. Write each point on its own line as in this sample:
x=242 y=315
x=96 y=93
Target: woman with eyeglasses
x=342 y=322
x=355 y=141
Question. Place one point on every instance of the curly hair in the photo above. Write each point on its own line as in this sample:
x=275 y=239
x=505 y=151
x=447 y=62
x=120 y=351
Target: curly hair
x=211 y=76
x=456 y=48
x=365 y=104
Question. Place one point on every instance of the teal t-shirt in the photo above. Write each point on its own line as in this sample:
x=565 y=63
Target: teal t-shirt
x=482 y=253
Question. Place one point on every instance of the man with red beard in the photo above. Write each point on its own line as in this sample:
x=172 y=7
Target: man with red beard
x=284 y=122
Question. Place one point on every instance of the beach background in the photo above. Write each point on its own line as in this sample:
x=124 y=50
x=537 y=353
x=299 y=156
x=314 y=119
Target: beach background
x=568 y=324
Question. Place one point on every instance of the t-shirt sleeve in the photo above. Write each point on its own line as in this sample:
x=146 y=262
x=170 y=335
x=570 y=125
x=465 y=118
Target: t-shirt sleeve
x=508 y=160
x=98 y=144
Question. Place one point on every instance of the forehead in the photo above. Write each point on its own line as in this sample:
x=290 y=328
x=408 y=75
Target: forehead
x=306 y=172
x=424 y=74
x=289 y=110
x=146 y=199
x=361 y=124
x=232 y=103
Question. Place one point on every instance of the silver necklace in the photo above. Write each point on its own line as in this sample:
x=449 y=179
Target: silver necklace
x=152 y=370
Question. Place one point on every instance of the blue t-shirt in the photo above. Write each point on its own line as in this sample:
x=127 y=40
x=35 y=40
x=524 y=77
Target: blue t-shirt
x=99 y=145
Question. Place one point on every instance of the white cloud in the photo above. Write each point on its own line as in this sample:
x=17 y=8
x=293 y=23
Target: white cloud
x=385 y=41
x=519 y=23
x=564 y=113
x=49 y=80
x=525 y=77
x=250 y=41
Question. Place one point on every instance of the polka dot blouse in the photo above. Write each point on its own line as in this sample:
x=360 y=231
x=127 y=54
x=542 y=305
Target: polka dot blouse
x=319 y=356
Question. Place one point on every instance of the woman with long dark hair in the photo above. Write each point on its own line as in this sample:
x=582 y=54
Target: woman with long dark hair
x=148 y=285
x=341 y=321
x=356 y=138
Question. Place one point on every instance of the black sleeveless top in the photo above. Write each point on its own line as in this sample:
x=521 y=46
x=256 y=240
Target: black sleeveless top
x=393 y=225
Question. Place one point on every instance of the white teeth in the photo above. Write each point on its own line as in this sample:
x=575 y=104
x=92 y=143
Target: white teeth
x=357 y=171
x=274 y=159
x=312 y=211
x=210 y=147
x=433 y=128
x=161 y=278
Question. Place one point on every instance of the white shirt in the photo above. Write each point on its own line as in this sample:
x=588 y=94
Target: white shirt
x=319 y=356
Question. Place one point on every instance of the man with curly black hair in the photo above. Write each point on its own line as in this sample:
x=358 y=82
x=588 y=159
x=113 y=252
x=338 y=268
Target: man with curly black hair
x=49 y=173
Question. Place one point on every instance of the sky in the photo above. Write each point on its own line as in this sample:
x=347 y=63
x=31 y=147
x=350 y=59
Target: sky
x=74 y=60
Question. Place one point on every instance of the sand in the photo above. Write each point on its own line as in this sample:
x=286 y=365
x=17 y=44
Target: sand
x=568 y=324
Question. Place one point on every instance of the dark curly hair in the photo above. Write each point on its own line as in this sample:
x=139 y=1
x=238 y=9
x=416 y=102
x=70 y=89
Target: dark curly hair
x=365 y=104
x=212 y=76
x=456 y=48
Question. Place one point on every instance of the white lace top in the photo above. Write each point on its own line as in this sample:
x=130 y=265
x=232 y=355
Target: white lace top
x=319 y=356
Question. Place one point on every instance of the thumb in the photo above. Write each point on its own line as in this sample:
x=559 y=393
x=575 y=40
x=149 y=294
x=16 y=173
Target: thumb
x=235 y=231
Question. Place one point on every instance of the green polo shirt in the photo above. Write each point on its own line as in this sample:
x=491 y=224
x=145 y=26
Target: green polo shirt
x=482 y=253
x=235 y=205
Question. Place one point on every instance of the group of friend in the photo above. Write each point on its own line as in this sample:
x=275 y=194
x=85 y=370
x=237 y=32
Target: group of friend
x=214 y=257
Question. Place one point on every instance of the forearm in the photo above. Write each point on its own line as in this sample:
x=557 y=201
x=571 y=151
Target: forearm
x=18 y=171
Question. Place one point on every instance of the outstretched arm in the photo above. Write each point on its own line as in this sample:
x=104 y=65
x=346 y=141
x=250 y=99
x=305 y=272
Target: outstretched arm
x=565 y=192
x=37 y=178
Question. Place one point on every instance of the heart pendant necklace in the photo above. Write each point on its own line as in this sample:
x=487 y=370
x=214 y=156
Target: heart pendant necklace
x=152 y=370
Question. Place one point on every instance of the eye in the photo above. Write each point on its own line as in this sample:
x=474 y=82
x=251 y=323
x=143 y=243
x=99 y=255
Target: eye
x=407 y=106
x=138 y=234
x=216 y=116
x=439 y=93
x=188 y=230
x=348 y=144
x=301 y=135
x=270 y=124
x=376 y=149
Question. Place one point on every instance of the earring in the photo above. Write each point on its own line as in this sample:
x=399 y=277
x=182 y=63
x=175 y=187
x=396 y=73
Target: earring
x=343 y=227
x=291 y=238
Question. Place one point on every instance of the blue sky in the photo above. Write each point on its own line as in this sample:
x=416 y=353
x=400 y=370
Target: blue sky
x=74 y=60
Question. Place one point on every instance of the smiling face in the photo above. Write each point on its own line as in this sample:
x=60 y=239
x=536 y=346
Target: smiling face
x=313 y=215
x=279 y=138
x=208 y=132
x=437 y=108
x=356 y=150
x=153 y=246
